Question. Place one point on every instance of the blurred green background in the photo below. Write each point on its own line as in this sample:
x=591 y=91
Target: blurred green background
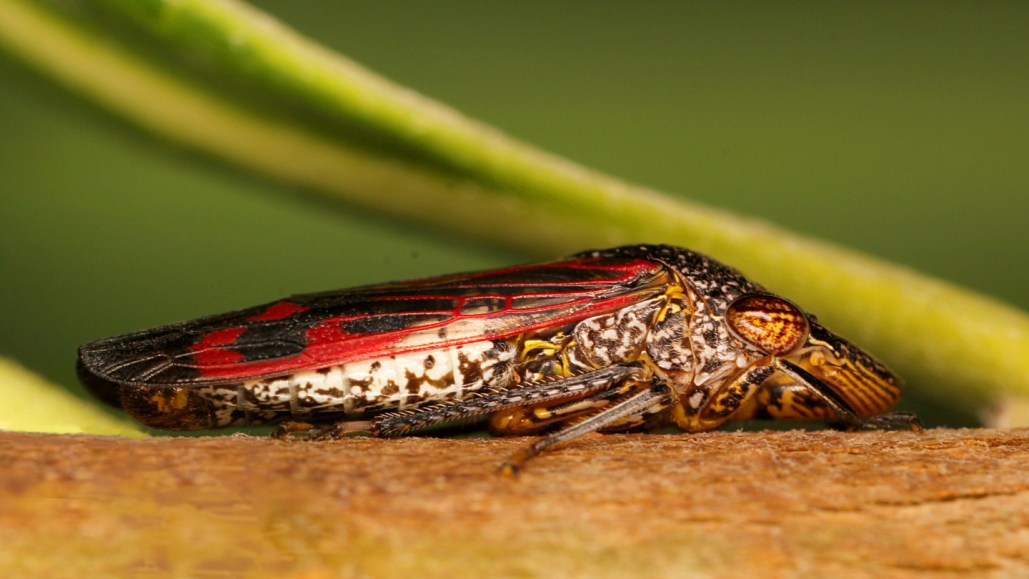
x=898 y=129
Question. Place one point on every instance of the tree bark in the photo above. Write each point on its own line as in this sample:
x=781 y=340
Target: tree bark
x=721 y=504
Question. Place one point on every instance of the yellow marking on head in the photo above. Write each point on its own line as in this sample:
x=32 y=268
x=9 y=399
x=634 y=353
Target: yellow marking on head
x=817 y=358
x=868 y=392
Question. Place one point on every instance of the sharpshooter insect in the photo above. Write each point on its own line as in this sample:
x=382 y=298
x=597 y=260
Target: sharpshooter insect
x=631 y=338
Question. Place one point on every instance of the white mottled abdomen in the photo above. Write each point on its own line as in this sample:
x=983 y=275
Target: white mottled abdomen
x=367 y=387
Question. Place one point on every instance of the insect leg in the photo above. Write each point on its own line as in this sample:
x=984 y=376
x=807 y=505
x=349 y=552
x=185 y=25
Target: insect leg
x=398 y=424
x=652 y=398
x=532 y=419
x=844 y=415
x=727 y=400
x=287 y=429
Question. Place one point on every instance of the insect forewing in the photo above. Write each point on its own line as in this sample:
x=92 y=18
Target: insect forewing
x=323 y=329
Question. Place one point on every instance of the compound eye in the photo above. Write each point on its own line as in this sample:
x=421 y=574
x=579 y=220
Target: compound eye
x=771 y=324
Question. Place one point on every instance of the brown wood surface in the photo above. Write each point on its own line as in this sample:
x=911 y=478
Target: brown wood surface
x=724 y=504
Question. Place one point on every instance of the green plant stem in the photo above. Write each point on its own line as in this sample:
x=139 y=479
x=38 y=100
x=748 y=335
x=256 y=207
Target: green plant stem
x=33 y=404
x=454 y=173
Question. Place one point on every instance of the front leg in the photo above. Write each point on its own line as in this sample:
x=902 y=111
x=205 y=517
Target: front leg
x=700 y=409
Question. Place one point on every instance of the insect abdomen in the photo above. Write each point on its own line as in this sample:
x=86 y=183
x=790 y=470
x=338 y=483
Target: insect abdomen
x=364 y=388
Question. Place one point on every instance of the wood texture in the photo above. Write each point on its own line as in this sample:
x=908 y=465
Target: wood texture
x=724 y=504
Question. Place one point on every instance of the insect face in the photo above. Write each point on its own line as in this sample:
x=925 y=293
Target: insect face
x=758 y=355
x=866 y=386
x=795 y=368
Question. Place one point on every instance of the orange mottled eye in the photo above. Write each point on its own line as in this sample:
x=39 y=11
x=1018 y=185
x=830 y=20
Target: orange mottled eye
x=772 y=324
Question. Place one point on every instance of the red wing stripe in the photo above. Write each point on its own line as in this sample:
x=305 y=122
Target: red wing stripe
x=328 y=328
x=211 y=350
x=329 y=344
x=278 y=311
